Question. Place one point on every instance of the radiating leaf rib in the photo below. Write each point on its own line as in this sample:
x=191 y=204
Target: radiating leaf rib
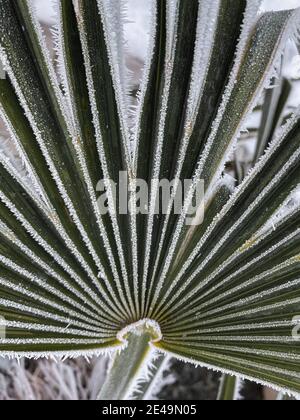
x=191 y=317
x=278 y=274
x=93 y=298
x=59 y=349
x=253 y=74
x=22 y=134
x=27 y=15
x=258 y=299
x=46 y=282
x=23 y=262
x=73 y=63
x=110 y=139
x=277 y=245
x=210 y=53
x=44 y=295
x=174 y=82
x=273 y=308
x=16 y=238
x=31 y=277
x=261 y=373
x=248 y=21
x=274 y=104
x=25 y=137
x=280 y=178
x=87 y=151
x=24 y=209
x=47 y=132
x=147 y=115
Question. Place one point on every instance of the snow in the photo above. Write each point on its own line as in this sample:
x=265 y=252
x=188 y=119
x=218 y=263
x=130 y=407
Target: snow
x=139 y=13
x=280 y=4
x=137 y=29
x=45 y=10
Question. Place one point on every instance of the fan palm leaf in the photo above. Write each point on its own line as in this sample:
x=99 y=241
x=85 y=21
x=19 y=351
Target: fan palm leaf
x=73 y=281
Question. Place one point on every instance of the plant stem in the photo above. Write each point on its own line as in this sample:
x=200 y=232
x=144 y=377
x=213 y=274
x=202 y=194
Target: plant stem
x=227 y=388
x=127 y=367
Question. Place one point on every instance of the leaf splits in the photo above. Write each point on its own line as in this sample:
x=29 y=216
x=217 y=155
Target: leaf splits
x=224 y=293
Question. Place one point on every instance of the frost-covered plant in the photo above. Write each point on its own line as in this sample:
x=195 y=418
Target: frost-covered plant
x=45 y=380
x=224 y=294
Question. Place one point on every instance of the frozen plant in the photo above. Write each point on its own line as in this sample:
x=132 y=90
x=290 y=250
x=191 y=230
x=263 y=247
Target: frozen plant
x=223 y=294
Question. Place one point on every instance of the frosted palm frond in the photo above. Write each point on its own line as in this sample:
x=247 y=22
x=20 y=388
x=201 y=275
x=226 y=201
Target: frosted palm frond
x=224 y=293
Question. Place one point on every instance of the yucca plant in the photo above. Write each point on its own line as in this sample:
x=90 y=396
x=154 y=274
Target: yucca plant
x=223 y=293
